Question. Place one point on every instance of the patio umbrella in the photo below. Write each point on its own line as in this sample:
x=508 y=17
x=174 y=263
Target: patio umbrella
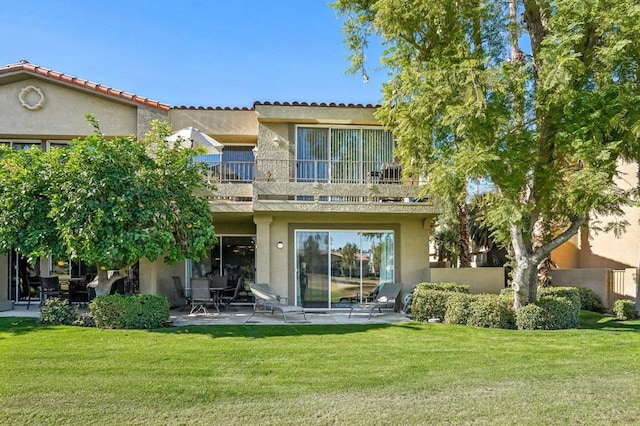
x=191 y=137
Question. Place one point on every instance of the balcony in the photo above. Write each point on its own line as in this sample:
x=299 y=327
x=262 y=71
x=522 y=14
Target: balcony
x=313 y=185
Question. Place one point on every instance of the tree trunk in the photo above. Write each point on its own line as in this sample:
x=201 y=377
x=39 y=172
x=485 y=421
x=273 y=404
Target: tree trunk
x=525 y=269
x=102 y=284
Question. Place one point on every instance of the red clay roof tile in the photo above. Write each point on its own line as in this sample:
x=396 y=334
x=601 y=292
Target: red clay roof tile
x=25 y=66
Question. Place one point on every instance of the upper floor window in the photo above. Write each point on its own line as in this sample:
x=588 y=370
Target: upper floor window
x=341 y=154
x=19 y=144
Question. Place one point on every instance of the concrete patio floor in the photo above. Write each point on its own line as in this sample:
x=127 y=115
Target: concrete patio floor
x=242 y=315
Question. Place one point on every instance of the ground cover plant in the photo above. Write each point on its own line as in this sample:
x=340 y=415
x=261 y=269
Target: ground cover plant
x=405 y=373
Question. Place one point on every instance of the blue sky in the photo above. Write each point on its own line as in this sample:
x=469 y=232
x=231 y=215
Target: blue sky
x=191 y=52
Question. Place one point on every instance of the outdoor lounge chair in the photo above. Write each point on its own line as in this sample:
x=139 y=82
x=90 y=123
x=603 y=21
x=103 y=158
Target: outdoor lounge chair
x=385 y=298
x=266 y=298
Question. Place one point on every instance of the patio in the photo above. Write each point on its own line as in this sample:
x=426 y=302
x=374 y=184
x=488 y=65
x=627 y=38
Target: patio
x=242 y=315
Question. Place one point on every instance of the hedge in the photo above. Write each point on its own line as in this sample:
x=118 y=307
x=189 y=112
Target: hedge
x=490 y=311
x=430 y=299
x=137 y=311
x=624 y=309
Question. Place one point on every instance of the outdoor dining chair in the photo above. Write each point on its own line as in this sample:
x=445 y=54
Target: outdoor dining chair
x=50 y=287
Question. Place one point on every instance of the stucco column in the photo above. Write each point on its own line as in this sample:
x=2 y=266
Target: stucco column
x=263 y=254
x=5 y=303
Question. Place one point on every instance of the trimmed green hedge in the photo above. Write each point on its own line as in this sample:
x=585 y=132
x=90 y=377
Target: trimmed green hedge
x=570 y=318
x=624 y=309
x=137 y=311
x=491 y=311
x=548 y=313
x=458 y=308
x=589 y=300
x=430 y=299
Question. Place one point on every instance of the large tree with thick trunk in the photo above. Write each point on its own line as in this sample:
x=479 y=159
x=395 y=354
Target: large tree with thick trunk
x=106 y=201
x=539 y=97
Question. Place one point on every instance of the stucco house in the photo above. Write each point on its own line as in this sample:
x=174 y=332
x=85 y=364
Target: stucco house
x=309 y=196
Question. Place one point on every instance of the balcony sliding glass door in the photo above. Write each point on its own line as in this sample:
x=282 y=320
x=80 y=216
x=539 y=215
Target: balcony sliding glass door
x=341 y=154
x=337 y=268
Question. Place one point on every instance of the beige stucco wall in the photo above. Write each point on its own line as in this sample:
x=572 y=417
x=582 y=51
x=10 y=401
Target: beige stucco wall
x=5 y=304
x=63 y=113
x=480 y=280
x=316 y=115
x=223 y=125
x=596 y=249
x=591 y=278
x=155 y=278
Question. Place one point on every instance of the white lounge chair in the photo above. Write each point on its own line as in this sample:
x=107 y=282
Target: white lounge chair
x=266 y=300
x=385 y=298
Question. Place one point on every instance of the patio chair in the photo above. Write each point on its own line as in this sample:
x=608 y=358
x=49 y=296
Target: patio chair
x=265 y=296
x=50 y=287
x=200 y=296
x=228 y=296
x=387 y=294
x=32 y=284
x=180 y=292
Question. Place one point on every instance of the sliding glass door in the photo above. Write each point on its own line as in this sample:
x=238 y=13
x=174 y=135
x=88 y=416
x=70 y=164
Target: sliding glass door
x=338 y=268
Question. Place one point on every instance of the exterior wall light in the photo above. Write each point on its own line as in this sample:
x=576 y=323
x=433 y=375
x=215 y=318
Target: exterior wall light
x=280 y=244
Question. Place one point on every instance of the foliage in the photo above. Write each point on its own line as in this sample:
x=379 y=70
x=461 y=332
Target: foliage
x=550 y=313
x=430 y=299
x=107 y=201
x=458 y=308
x=490 y=311
x=461 y=288
x=546 y=126
x=59 y=312
x=572 y=294
x=428 y=304
x=137 y=311
x=589 y=300
x=624 y=309
x=533 y=317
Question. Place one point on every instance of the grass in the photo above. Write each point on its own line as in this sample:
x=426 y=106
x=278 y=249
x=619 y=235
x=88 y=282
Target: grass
x=406 y=373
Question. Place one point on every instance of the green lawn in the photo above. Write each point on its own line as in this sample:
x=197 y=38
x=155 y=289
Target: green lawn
x=406 y=373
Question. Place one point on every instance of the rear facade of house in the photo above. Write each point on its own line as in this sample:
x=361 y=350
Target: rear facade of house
x=309 y=197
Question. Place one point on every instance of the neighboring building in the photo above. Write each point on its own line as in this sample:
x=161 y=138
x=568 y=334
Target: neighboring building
x=309 y=196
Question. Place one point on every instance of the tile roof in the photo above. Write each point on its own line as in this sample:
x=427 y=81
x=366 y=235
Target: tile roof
x=217 y=108
x=24 y=66
x=317 y=104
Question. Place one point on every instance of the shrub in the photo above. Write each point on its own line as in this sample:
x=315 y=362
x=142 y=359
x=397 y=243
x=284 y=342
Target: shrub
x=572 y=294
x=624 y=309
x=460 y=288
x=548 y=313
x=58 y=311
x=490 y=311
x=138 y=311
x=532 y=317
x=458 y=308
x=563 y=312
x=589 y=300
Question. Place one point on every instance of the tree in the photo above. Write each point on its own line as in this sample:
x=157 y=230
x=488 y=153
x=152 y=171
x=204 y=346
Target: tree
x=540 y=97
x=106 y=201
x=349 y=254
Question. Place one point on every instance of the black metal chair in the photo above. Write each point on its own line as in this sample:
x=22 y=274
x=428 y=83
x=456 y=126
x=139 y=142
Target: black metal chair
x=33 y=288
x=181 y=292
x=50 y=287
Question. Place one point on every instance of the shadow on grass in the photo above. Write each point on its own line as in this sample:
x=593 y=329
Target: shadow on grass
x=596 y=321
x=269 y=330
x=20 y=325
